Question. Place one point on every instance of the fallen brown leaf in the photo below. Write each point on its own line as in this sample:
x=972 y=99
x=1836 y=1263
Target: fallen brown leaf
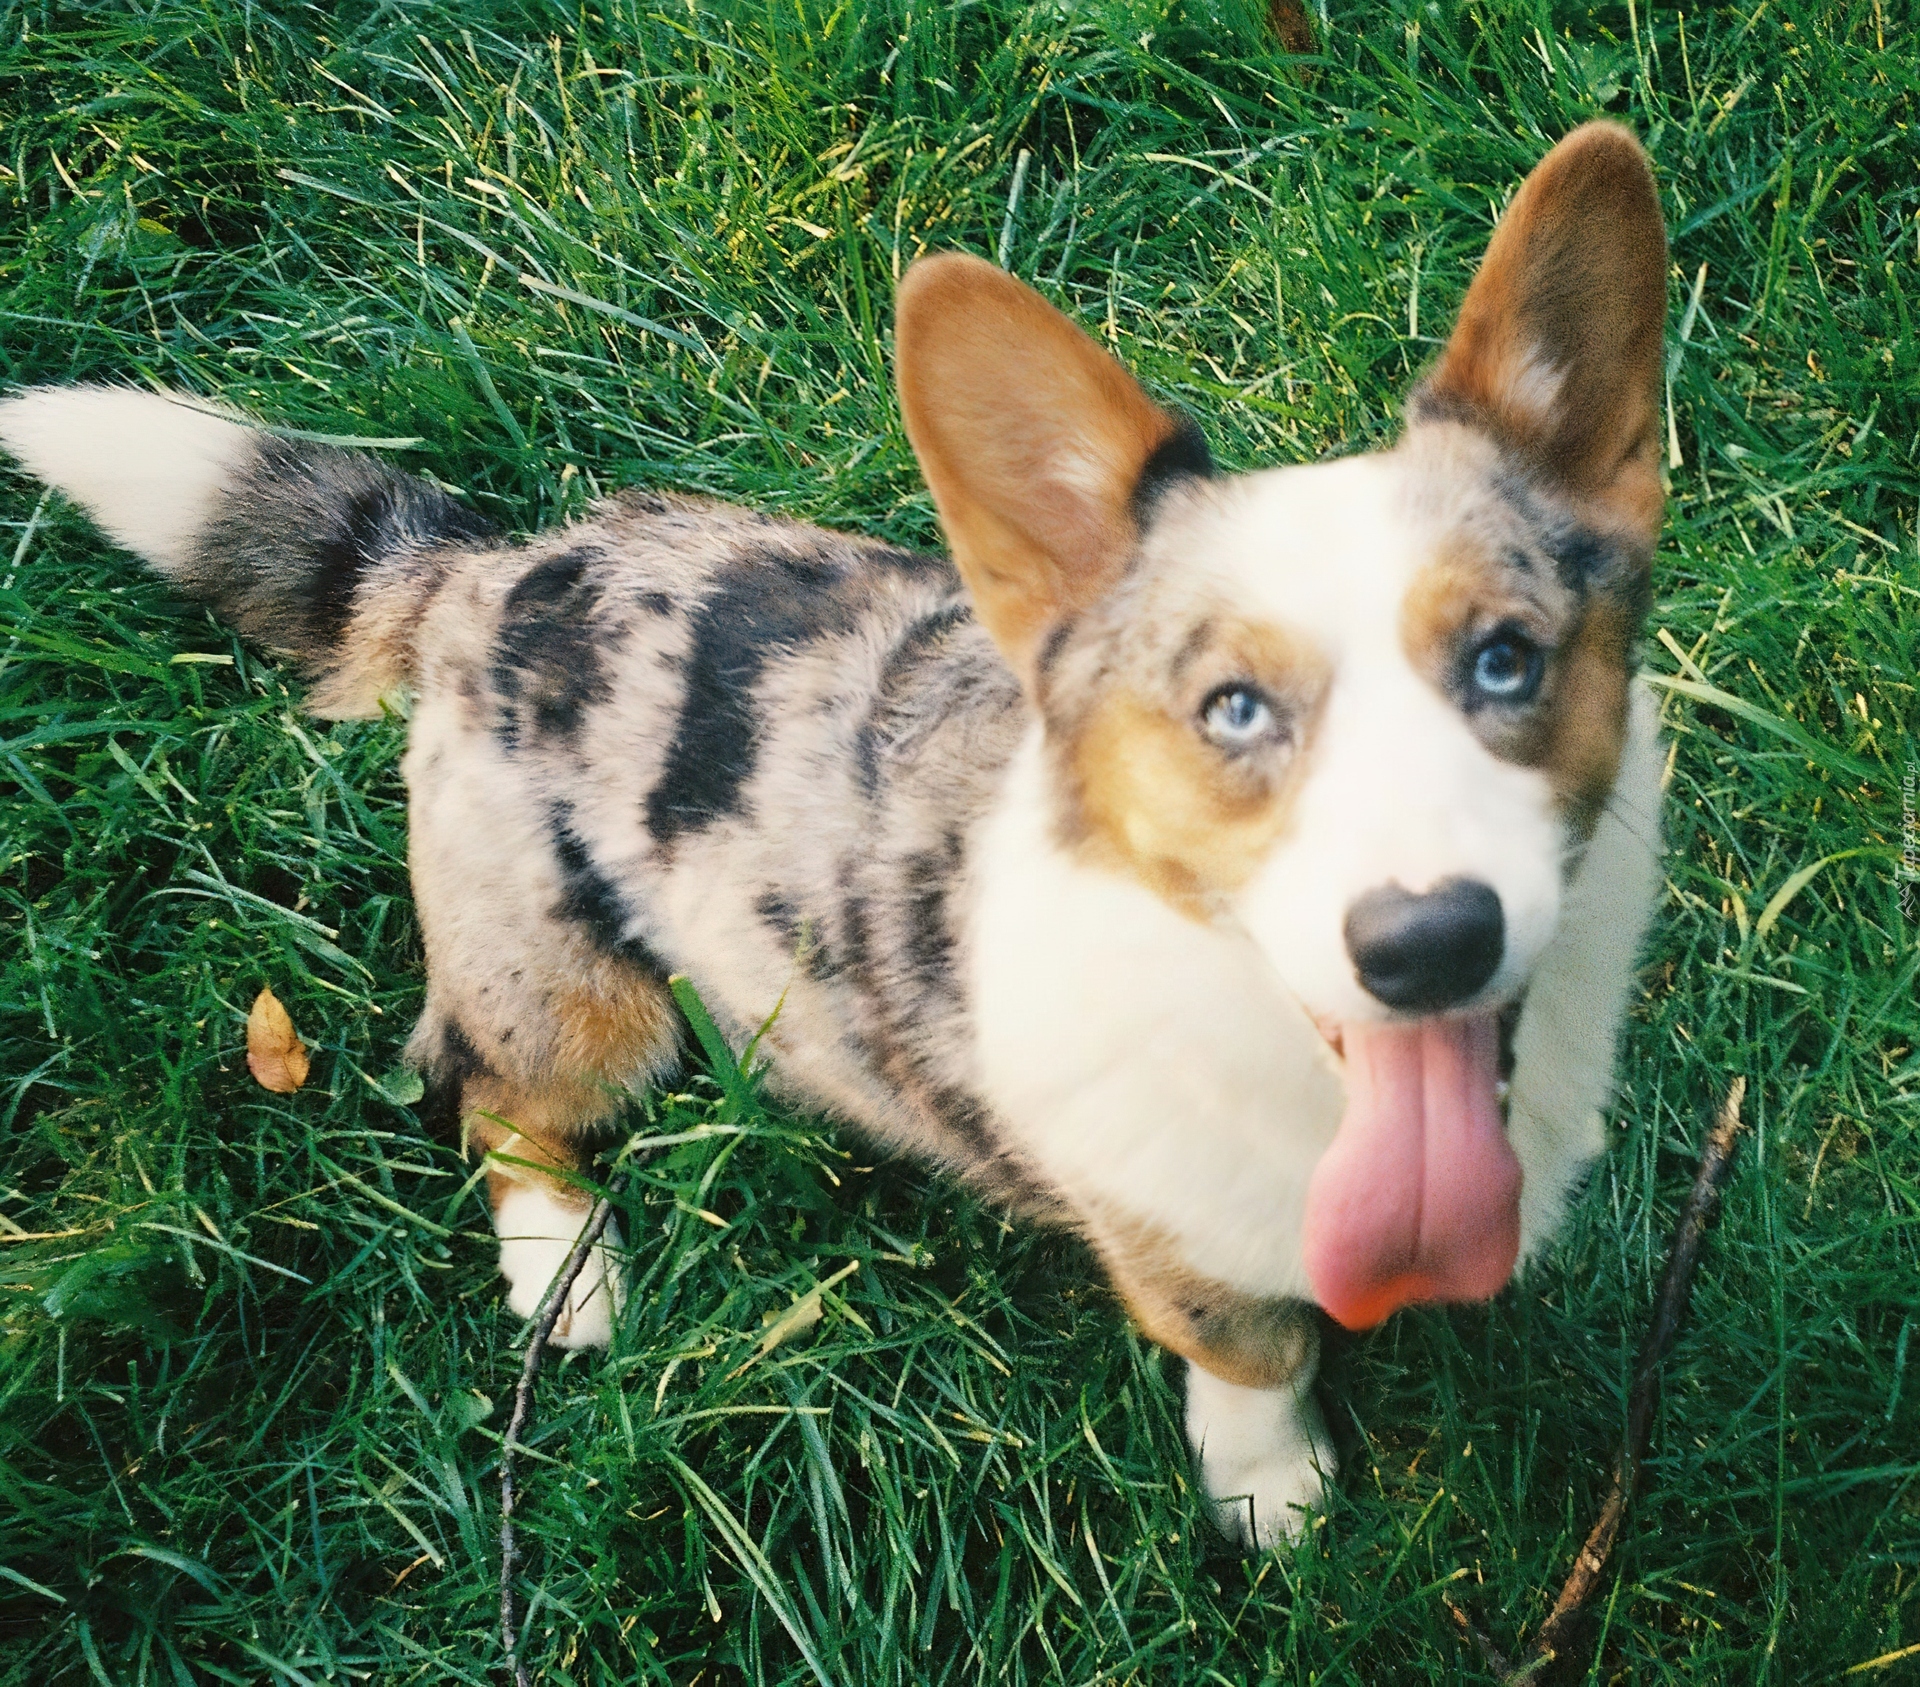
x=275 y=1054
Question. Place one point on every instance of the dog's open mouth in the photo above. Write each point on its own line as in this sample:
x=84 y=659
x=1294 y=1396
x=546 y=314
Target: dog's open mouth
x=1418 y=1198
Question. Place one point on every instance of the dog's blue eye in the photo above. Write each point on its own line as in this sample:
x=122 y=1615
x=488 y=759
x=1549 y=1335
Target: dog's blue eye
x=1507 y=668
x=1235 y=716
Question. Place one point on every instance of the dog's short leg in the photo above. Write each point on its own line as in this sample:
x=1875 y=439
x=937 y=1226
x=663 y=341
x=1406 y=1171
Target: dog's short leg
x=537 y=1090
x=538 y=1227
x=1255 y=1426
x=537 y=1217
x=1264 y=1454
x=540 y=1018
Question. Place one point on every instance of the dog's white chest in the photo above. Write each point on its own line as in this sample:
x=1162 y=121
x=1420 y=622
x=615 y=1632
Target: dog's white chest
x=1153 y=1067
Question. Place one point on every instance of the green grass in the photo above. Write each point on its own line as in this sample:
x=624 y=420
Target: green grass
x=254 y=1364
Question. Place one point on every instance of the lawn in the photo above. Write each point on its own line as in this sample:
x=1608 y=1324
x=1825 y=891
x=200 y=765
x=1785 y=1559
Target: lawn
x=254 y=1360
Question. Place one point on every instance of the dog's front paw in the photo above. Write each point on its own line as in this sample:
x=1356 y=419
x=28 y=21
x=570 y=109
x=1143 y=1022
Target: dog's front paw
x=537 y=1233
x=1264 y=1455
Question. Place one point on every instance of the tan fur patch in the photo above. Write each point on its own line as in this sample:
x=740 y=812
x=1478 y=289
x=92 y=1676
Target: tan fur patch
x=1588 y=713
x=378 y=657
x=1575 y=732
x=1461 y=589
x=1237 y=1337
x=590 y=1037
x=611 y=1022
x=1159 y=801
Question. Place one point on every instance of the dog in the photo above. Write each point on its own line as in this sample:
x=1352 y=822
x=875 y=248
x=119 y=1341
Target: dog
x=1245 y=871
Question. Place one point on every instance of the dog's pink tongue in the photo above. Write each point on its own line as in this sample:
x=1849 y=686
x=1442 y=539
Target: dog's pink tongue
x=1418 y=1199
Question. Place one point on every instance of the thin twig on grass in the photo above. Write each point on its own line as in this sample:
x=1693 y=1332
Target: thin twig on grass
x=1676 y=1290
x=548 y=1316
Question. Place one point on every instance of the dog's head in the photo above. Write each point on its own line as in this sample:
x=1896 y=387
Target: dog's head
x=1370 y=709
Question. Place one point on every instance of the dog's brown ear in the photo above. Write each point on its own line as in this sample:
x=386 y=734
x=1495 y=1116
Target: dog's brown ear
x=1557 y=350
x=1040 y=449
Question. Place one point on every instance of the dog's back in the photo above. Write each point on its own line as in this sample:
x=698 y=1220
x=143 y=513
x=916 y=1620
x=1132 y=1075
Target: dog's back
x=674 y=737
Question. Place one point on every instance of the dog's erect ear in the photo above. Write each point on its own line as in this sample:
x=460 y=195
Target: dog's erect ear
x=1557 y=350
x=1040 y=449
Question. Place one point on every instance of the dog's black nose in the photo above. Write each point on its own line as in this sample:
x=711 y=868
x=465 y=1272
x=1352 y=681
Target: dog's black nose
x=1423 y=953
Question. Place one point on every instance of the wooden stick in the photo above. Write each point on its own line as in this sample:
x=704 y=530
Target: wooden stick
x=548 y=1316
x=1491 y=1655
x=1676 y=1290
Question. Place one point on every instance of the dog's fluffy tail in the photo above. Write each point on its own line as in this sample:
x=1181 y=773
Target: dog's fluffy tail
x=324 y=554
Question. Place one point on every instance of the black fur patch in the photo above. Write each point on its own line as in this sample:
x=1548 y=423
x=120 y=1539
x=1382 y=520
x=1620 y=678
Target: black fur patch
x=547 y=585
x=547 y=669
x=921 y=641
x=892 y=1053
x=781 y=916
x=592 y=901
x=1051 y=649
x=908 y=562
x=967 y=1118
x=1581 y=557
x=445 y=1078
x=1199 y=636
x=857 y=939
x=1182 y=455
x=1583 y=561
x=1512 y=489
x=286 y=550
x=929 y=940
x=1424 y=404
x=378 y=519
x=767 y=603
x=799 y=936
x=1638 y=600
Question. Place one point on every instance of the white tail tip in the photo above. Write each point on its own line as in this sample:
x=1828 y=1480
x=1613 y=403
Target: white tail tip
x=148 y=467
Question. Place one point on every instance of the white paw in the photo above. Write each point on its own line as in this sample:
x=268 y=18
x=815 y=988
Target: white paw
x=537 y=1233
x=1264 y=1455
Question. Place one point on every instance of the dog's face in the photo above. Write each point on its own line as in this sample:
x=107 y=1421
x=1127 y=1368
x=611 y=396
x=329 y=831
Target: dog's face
x=1368 y=709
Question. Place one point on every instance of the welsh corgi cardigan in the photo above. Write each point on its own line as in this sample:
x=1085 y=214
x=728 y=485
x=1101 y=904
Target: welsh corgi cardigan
x=1184 y=863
